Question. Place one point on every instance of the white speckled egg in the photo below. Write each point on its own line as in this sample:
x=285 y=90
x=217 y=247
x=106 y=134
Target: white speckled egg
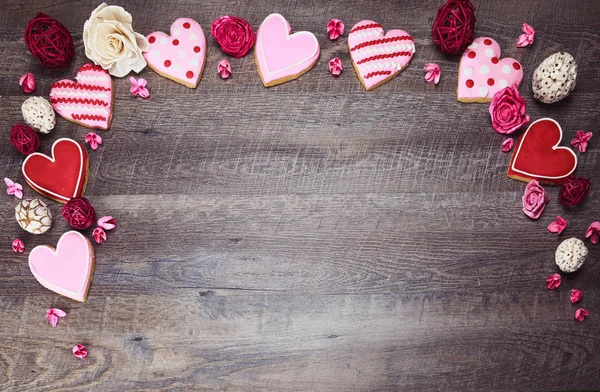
x=38 y=114
x=570 y=255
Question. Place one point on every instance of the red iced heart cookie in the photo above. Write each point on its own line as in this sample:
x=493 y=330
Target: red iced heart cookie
x=377 y=58
x=181 y=55
x=482 y=73
x=88 y=101
x=66 y=270
x=61 y=176
x=538 y=156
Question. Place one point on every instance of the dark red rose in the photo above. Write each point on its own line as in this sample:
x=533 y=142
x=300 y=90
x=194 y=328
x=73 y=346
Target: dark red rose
x=233 y=34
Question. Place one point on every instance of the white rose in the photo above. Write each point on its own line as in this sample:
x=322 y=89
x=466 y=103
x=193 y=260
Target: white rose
x=110 y=41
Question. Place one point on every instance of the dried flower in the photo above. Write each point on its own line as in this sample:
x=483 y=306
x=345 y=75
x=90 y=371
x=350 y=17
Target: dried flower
x=335 y=28
x=138 y=87
x=99 y=235
x=28 y=82
x=558 y=225
x=18 y=246
x=107 y=222
x=224 y=69
x=576 y=296
x=581 y=314
x=508 y=110
x=534 y=199
x=53 y=315
x=433 y=73
x=508 y=144
x=582 y=140
x=80 y=351
x=593 y=232
x=553 y=281
x=335 y=66
x=13 y=188
x=527 y=38
x=93 y=139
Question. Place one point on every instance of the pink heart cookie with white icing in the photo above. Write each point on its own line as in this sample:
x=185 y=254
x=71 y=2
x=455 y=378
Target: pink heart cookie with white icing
x=377 y=57
x=180 y=56
x=66 y=270
x=88 y=101
x=482 y=74
x=281 y=56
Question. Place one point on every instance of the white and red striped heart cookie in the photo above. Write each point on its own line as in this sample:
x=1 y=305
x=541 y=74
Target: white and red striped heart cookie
x=88 y=101
x=378 y=58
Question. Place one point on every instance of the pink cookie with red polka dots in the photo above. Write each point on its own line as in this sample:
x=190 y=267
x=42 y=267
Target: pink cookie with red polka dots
x=482 y=74
x=180 y=56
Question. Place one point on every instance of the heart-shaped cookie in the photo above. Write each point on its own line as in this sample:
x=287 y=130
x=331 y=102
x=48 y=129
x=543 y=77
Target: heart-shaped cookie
x=482 y=73
x=538 y=156
x=378 y=58
x=88 y=101
x=61 y=176
x=281 y=56
x=66 y=270
x=180 y=56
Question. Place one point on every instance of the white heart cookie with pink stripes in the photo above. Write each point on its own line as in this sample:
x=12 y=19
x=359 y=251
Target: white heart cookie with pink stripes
x=88 y=101
x=482 y=73
x=181 y=55
x=377 y=57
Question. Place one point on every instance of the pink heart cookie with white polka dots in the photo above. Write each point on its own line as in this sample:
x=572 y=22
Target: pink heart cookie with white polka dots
x=180 y=56
x=482 y=74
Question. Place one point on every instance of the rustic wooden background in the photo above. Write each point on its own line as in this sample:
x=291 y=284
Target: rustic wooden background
x=311 y=236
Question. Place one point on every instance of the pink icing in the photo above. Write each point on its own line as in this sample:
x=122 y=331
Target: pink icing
x=66 y=270
x=181 y=55
x=482 y=73
x=280 y=54
x=89 y=101
x=378 y=58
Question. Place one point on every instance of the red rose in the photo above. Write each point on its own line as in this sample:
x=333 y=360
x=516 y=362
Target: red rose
x=508 y=110
x=233 y=34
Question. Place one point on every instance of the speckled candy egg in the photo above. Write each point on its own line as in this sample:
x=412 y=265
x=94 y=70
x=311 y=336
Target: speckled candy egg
x=571 y=255
x=33 y=216
x=38 y=114
x=554 y=79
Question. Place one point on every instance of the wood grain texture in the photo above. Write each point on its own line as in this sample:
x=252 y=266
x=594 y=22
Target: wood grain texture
x=310 y=236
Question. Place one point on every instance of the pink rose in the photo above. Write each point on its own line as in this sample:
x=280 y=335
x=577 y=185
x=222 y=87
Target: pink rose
x=534 y=199
x=508 y=110
x=233 y=34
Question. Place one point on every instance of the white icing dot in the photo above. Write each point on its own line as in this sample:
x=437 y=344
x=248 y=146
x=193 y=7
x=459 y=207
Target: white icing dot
x=473 y=45
x=483 y=91
x=176 y=67
x=506 y=69
x=484 y=70
x=503 y=83
x=489 y=52
x=176 y=32
x=163 y=40
x=194 y=61
x=193 y=37
x=468 y=71
x=156 y=54
x=181 y=54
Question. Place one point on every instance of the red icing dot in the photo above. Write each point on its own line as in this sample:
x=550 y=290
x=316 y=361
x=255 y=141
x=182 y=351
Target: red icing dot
x=189 y=74
x=471 y=55
x=175 y=42
x=186 y=25
x=516 y=66
x=152 y=39
x=167 y=63
x=494 y=60
x=488 y=42
x=470 y=83
x=490 y=82
x=196 y=49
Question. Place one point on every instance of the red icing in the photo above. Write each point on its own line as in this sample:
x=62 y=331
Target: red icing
x=472 y=54
x=62 y=179
x=85 y=101
x=175 y=42
x=370 y=75
x=383 y=56
x=93 y=117
x=189 y=74
x=537 y=155
x=381 y=41
x=516 y=66
x=487 y=42
x=490 y=82
x=197 y=49
x=152 y=39
x=495 y=60
x=90 y=67
x=186 y=25
x=365 y=27
x=78 y=86
x=470 y=83
x=167 y=63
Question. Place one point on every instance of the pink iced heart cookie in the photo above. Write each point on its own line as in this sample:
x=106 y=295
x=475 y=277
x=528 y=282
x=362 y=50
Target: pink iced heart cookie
x=281 y=56
x=482 y=74
x=66 y=270
x=88 y=101
x=180 y=56
x=378 y=58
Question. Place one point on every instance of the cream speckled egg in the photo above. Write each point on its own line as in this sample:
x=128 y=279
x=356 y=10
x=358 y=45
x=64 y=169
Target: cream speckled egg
x=570 y=255
x=38 y=114
x=33 y=216
x=554 y=78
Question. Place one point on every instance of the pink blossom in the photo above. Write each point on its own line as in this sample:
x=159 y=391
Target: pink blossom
x=93 y=139
x=335 y=28
x=553 y=281
x=508 y=144
x=527 y=38
x=581 y=314
x=576 y=296
x=558 y=225
x=80 y=351
x=224 y=69
x=28 y=82
x=335 y=66
x=593 y=232
x=433 y=73
x=13 y=188
x=138 y=87
x=18 y=246
x=582 y=140
x=107 y=222
x=99 y=235
x=53 y=315
x=534 y=199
